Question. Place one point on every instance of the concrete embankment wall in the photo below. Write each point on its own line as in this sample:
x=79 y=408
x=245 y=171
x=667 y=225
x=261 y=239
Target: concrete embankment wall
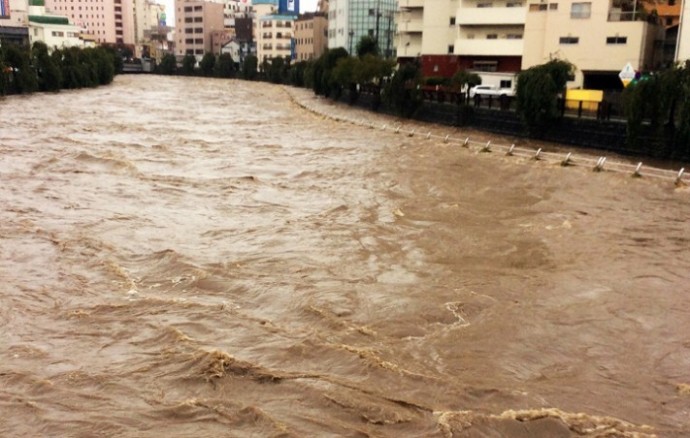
x=580 y=132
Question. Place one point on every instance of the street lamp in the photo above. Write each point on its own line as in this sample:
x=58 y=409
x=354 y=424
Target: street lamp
x=351 y=34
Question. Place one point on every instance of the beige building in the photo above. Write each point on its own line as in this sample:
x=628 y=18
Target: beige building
x=195 y=24
x=274 y=37
x=311 y=36
x=110 y=21
x=683 y=50
x=598 y=37
x=272 y=31
x=147 y=25
x=481 y=36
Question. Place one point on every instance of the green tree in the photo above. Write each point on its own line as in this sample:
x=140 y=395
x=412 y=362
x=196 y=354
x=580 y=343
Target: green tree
x=323 y=82
x=168 y=65
x=276 y=70
x=48 y=73
x=188 y=63
x=367 y=45
x=250 y=68
x=225 y=66
x=463 y=80
x=105 y=65
x=403 y=92
x=22 y=74
x=538 y=90
x=207 y=64
x=297 y=73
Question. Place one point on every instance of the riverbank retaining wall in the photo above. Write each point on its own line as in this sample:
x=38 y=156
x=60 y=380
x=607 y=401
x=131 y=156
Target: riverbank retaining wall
x=605 y=135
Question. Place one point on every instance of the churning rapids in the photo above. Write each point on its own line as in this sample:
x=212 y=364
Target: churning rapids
x=199 y=257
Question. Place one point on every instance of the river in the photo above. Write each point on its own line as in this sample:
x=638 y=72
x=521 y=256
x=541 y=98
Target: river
x=202 y=257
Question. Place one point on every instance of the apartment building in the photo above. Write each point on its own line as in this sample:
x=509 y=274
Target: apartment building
x=683 y=48
x=110 y=21
x=196 y=23
x=311 y=36
x=350 y=20
x=485 y=36
x=274 y=37
x=598 y=37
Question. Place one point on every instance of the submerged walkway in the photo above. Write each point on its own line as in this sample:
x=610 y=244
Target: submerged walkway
x=347 y=114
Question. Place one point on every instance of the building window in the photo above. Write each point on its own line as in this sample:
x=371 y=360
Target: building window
x=506 y=84
x=484 y=5
x=485 y=65
x=534 y=7
x=553 y=6
x=492 y=36
x=451 y=49
x=617 y=40
x=452 y=21
x=513 y=5
x=188 y=9
x=568 y=40
x=514 y=36
x=581 y=10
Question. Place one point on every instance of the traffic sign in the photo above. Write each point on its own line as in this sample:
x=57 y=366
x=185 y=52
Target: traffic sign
x=627 y=74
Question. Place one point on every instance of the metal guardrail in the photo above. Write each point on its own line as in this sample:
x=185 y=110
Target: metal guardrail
x=678 y=177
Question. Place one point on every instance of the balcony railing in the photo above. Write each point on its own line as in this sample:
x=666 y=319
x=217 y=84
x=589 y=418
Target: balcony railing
x=488 y=16
x=409 y=4
x=616 y=15
x=493 y=47
x=413 y=26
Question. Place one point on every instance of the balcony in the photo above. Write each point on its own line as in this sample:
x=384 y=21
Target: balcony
x=489 y=47
x=618 y=15
x=488 y=16
x=413 y=26
x=411 y=4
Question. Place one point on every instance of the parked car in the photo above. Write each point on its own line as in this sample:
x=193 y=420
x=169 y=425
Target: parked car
x=490 y=90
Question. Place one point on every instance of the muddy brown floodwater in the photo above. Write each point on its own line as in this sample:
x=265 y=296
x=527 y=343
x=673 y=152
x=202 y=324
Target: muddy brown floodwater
x=197 y=257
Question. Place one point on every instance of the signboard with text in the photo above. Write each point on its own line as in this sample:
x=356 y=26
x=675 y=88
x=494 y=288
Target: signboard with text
x=288 y=7
x=4 y=8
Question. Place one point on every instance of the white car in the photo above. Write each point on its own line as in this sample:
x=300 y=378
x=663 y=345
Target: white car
x=490 y=90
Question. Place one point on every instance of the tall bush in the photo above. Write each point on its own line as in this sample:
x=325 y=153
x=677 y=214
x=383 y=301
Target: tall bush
x=402 y=93
x=538 y=90
x=48 y=73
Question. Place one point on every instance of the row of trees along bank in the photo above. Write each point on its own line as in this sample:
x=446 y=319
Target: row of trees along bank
x=29 y=69
x=657 y=107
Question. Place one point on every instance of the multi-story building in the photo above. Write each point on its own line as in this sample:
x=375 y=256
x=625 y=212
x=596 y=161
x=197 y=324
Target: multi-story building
x=311 y=36
x=234 y=9
x=54 y=30
x=598 y=37
x=110 y=21
x=683 y=48
x=149 y=22
x=350 y=20
x=195 y=24
x=14 y=16
x=274 y=37
x=481 y=36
